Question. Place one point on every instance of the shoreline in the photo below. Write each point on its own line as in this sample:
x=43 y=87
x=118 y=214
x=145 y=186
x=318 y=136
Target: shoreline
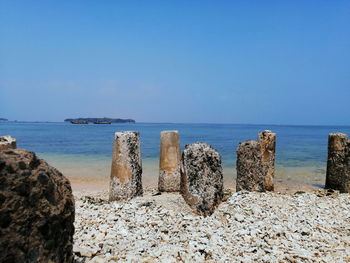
x=95 y=185
x=94 y=175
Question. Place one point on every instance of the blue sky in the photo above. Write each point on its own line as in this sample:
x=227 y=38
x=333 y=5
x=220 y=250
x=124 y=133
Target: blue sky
x=278 y=62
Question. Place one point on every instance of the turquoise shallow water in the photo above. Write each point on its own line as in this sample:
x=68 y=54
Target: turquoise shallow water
x=85 y=150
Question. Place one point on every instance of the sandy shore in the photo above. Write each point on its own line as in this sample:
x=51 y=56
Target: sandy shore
x=92 y=185
x=89 y=175
x=247 y=227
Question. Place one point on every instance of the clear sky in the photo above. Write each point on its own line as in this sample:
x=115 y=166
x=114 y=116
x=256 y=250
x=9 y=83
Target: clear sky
x=273 y=62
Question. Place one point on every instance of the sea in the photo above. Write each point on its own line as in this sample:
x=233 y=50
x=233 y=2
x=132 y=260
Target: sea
x=83 y=152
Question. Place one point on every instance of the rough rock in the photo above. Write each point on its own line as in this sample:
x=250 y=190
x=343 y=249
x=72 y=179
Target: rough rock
x=7 y=142
x=36 y=210
x=126 y=172
x=338 y=163
x=250 y=169
x=169 y=162
x=267 y=141
x=201 y=178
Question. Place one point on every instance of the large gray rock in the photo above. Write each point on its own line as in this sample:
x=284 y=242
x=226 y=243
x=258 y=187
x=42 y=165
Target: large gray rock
x=36 y=210
x=126 y=173
x=201 y=178
x=267 y=141
x=7 y=142
x=169 y=162
x=338 y=163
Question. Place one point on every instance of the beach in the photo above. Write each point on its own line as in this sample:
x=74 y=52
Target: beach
x=83 y=183
x=299 y=221
x=247 y=227
x=88 y=175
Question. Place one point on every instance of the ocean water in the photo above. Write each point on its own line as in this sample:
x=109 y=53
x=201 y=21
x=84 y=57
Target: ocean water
x=84 y=151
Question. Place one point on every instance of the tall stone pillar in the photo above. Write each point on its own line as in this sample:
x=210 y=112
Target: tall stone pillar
x=338 y=163
x=7 y=142
x=267 y=141
x=169 y=162
x=201 y=178
x=126 y=172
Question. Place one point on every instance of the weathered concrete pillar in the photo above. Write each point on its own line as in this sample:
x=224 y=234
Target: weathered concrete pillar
x=250 y=169
x=201 y=178
x=169 y=162
x=256 y=163
x=338 y=163
x=346 y=179
x=126 y=173
x=7 y=142
x=267 y=141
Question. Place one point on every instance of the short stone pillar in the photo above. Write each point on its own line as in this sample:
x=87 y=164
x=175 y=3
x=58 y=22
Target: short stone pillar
x=338 y=163
x=7 y=142
x=256 y=163
x=169 y=162
x=250 y=169
x=201 y=178
x=126 y=172
x=267 y=141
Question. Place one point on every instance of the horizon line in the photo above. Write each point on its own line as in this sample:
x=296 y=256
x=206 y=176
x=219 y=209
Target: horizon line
x=199 y=123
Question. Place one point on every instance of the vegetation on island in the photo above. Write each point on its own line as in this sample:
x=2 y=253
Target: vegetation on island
x=96 y=120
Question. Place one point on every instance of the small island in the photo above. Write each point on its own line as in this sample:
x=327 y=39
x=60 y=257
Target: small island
x=3 y=119
x=104 y=120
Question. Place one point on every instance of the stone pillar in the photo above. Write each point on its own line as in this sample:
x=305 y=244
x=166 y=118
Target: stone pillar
x=169 y=162
x=267 y=141
x=126 y=172
x=201 y=178
x=7 y=142
x=250 y=169
x=256 y=163
x=338 y=163
x=346 y=179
